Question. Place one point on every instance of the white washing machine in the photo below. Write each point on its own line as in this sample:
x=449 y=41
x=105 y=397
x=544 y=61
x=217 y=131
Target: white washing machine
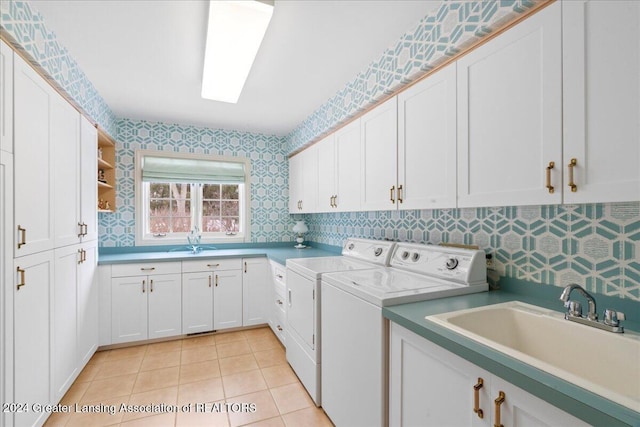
x=303 y=299
x=355 y=334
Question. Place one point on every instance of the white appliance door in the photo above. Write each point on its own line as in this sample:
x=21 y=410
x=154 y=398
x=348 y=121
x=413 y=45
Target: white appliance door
x=301 y=301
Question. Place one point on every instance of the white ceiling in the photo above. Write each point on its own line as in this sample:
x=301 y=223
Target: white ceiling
x=145 y=57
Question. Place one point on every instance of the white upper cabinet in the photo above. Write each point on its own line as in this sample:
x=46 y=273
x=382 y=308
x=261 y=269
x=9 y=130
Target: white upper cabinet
x=327 y=188
x=510 y=116
x=65 y=147
x=379 y=138
x=303 y=181
x=88 y=189
x=6 y=97
x=348 y=175
x=34 y=180
x=427 y=142
x=601 y=95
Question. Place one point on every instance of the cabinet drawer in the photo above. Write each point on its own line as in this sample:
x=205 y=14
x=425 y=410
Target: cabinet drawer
x=211 y=264
x=143 y=269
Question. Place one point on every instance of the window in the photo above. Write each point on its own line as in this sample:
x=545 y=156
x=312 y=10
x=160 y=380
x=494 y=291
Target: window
x=177 y=193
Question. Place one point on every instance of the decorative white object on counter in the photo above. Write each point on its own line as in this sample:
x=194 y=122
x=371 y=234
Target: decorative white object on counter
x=300 y=228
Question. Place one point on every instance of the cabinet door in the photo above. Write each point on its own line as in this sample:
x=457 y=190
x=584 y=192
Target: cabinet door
x=197 y=302
x=88 y=188
x=7 y=278
x=6 y=97
x=326 y=174
x=601 y=100
x=378 y=135
x=348 y=167
x=295 y=183
x=310 y=180
x=256 y=283
x=32 y=331
x=521 y=408
x=428 y=385
x=64 y=340
x=510 y=116
x=128 y=309
x=88 y=303
x=427 y=142
x=32 y=151
x=65 y=141
x=227 y=299
x=165 y=305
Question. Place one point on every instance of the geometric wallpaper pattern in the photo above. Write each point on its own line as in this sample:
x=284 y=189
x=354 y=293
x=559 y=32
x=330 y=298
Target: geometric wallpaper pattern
x=594 y=245
x=270 y=219
x=22 y=24
x=597 y=245
x=453 y=26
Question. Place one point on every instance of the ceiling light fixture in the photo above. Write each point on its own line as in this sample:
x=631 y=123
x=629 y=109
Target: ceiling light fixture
x=234 y=34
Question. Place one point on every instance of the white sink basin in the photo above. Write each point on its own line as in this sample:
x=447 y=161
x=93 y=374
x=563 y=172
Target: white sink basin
x=603 y=362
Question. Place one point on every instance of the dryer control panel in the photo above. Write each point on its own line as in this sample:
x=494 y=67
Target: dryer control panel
x=464 y=266
x=375 y=251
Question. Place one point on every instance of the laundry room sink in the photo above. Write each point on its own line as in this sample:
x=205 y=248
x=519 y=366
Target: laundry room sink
x=603 y=362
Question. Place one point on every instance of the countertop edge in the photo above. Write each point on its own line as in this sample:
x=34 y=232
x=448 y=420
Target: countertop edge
x=575 y=400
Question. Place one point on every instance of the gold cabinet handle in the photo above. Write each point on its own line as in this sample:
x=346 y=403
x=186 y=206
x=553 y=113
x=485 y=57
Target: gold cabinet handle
x=144 y=282
x=400 y=193
x=216 y=280
x=80 y=233
x=392 y=196
x=549 y=186
x=280 y=276
x=476 y=398
x=209 y=281
x=213 y=265
x=498 y=402
x=22 y=279
x=23 y=236
x=151 y=285
x=335 y=201
x=86 y=229
x=572 y=184
x=300 y=204
x=147 y=268
x=80 y=259
x=279 y=328
x=245 y=266
x=279 y=301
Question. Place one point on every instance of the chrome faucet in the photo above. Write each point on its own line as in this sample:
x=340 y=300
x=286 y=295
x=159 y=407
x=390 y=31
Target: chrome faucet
x=574 y=307
x=574 y=311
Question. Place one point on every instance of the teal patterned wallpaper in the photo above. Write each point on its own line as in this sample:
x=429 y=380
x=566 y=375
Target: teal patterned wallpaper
x=596 y=245
x=270 y=220
x=22 y=24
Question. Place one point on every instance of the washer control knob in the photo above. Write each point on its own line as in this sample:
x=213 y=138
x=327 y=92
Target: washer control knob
x=405 y=255
x=415 y=256
x=452 y=263
x=377 y=252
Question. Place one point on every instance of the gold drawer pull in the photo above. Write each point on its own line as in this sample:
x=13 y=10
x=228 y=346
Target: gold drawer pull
x=216 y=280
x=498 y=402
x=572 y=184
x=400 y=193
x=392 y=192
x=143 y=283
x=549 y=186
x=476 y=398
x=279 y=328
x=23 y=235
x=81 y=257
x=22 y=279
x=213 y=265
x=151 y=284
x=279 y=301
x=147 y=268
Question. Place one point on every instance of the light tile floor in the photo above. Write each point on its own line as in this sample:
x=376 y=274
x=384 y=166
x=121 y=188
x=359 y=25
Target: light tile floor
x=228 y=369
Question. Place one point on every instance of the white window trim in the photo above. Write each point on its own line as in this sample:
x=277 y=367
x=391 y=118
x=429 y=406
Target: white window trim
x=143 y=239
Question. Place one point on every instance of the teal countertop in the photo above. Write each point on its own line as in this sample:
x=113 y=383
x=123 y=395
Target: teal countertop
x=579 y=402
x=278 y=253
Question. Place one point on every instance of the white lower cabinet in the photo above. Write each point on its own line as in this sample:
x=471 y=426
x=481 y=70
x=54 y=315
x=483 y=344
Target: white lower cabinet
x=227 y=299
x=32 y=330
x=256 y=278
x=430 y=386
x=197 y=302
x=278 y=308
x=145 y=306
x=88 y=303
